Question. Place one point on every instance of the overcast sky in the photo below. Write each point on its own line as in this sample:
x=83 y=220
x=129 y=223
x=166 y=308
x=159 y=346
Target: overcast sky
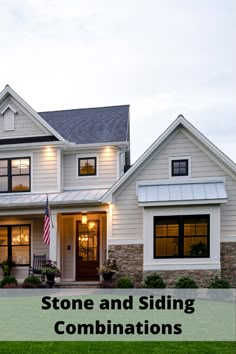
x=163 y=57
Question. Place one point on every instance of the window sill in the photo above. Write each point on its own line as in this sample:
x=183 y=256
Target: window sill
x=176 y=264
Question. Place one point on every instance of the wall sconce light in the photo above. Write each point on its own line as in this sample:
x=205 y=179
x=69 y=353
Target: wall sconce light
x=84 y=219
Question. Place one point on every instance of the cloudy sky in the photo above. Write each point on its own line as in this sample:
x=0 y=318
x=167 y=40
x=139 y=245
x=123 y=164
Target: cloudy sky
x=163 y=57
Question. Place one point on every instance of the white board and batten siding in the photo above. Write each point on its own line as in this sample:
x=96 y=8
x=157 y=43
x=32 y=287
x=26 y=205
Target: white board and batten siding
x=128 y=216
x=107 y=162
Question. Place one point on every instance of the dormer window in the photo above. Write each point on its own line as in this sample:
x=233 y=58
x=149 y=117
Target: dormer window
x=9 y=118
x=15 y=175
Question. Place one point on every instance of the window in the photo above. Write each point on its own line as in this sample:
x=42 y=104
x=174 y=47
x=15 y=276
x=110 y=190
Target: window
x=15 y=175
x=15 y=244
x=87 y=166
x=179 y=168
x=181 y=236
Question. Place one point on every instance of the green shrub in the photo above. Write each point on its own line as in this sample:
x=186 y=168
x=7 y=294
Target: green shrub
x=8 y=282
x=186 y=283
x=32 y=282
x=124 y=282
x=154 y=281
x=217 y=283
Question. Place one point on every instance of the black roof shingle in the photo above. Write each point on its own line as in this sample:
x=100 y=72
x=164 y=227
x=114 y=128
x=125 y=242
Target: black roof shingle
x=91 y=125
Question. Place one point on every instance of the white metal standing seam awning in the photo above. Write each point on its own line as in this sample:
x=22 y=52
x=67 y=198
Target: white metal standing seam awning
x=83 y=196
x=156 y=193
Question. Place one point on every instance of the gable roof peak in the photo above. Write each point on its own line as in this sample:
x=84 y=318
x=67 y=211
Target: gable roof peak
x=180 y=116
x=37 y=118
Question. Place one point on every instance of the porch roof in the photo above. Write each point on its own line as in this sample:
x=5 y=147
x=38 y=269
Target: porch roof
x=83 y=196
x=193 y=191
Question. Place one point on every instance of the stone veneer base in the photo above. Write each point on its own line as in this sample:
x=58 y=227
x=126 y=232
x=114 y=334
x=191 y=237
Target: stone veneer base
x=228 y=262
x=130 y=262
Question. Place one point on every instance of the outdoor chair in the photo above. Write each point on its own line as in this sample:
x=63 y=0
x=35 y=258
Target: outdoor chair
x=38 y=262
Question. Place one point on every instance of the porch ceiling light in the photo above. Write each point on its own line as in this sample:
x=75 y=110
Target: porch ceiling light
x=84 y=219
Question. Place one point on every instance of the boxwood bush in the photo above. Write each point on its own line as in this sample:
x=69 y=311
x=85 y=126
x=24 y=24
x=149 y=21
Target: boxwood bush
x=218 y=283
x=32 y=282
x=154 y=281
x=8 y=282
x=186 y=283
x=124 y=282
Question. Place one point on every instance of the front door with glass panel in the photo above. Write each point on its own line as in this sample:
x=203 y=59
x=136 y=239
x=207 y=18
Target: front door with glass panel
x=87 y=250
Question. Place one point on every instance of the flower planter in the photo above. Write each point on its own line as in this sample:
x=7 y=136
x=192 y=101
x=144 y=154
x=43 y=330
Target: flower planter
x=50 y=279
x=107 y=276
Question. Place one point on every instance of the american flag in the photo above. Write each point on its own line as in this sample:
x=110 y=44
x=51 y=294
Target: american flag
x=46 y=229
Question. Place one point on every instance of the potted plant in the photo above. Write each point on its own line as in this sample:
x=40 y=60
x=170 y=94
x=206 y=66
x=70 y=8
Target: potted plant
x=51 y=271
x=6 y=266
x=108 y=269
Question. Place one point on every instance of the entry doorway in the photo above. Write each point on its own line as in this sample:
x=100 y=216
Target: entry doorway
x=87 y=250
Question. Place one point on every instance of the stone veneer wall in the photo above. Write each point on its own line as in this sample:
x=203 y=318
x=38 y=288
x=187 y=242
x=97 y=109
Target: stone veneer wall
x=228 y=262
x=130 y=262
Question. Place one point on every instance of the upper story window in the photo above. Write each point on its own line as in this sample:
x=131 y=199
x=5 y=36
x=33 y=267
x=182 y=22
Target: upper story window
x=179 y=168
x=87 y=166
x=15 y=175
x=181 y=236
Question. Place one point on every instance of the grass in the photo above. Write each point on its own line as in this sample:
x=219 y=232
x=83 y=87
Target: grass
x=117 y=347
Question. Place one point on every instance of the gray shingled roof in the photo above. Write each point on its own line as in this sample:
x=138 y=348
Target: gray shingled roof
x=91 y=125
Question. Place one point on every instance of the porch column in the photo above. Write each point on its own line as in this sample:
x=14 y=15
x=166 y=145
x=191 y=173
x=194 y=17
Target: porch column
x=53 y=237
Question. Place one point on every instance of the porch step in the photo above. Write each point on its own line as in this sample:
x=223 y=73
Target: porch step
x=77 y=284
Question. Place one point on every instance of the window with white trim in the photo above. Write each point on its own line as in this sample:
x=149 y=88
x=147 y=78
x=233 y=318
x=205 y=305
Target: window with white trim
x=184 y=236
x=87 y=166
x=179 y=168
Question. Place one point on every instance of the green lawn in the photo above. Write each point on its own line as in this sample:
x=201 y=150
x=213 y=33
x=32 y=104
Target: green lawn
x=117 y=347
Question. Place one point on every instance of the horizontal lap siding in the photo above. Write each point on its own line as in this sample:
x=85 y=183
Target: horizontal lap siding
x=45 y=170
x=127 y=216
x=107 y=169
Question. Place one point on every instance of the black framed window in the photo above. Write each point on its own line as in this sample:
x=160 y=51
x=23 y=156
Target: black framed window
x=179 y=168
x=181 y=236
x=87 y=166
x=15 y=244
x=15 y=175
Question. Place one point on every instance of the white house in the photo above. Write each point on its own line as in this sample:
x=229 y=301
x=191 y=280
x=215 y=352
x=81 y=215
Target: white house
x=172 y=212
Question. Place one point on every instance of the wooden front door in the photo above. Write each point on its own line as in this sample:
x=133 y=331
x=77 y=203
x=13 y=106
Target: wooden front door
x=87 y=250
